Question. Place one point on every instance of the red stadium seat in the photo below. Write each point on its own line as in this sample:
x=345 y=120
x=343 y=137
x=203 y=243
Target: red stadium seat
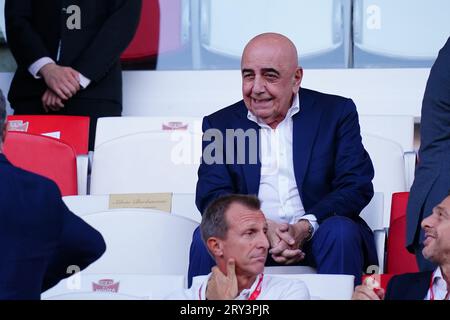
x=155 y=35
x=46 y=156
x=399 y=260
x=72 y=129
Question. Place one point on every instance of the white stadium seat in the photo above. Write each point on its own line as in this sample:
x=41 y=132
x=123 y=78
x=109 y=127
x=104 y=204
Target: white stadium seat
x=390 y=173
x=139 y=242
x=144 y=155
x=115 y=287
x=183 y=204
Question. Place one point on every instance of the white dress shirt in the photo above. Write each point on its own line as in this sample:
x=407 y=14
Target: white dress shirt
x=278 y=190
x=439 y=288
x=271 y=288
x=36 y=66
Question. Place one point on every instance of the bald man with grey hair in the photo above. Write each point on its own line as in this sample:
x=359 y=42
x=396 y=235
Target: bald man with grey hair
x=300 y=152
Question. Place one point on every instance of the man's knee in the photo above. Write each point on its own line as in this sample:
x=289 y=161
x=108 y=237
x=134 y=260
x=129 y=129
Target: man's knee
x=341 y=229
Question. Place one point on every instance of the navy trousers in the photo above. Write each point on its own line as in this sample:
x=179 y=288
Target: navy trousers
x=336 y=248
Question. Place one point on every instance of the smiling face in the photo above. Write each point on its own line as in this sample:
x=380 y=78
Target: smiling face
x=270 y=77
x=246 y=240
x=437 y=234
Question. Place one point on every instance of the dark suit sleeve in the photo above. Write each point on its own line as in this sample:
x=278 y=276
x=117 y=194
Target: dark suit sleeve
x=79 y=245
x=112 y=39
x=214 y=179
x=25 y=43
x=351 y=185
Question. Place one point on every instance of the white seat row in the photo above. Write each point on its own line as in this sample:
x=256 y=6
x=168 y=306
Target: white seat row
x=84 y=286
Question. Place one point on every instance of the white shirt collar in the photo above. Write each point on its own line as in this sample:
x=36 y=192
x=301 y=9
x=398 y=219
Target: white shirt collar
x=294 y=109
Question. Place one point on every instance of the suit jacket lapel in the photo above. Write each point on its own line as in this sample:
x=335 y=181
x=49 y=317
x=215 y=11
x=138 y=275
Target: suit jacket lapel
x=251 y=172
x=419 y=289
x=305 y=125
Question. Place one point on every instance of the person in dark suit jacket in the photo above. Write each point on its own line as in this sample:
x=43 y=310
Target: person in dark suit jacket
x=426 y=285
x=313 y=175
x=432 y=176
x=68 y=55
x=41 y=241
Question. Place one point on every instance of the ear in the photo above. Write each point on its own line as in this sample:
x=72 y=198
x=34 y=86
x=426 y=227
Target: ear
x=298 y=76
x=215 y=246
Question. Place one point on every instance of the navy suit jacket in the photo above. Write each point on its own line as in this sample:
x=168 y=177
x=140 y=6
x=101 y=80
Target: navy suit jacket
x=35 y=28
x=409 y=286
x=432 y=177
x=39 y=237
x=332 y=169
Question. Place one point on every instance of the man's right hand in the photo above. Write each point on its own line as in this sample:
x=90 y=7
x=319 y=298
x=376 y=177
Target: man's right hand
x=64 y=81
x=283 y=251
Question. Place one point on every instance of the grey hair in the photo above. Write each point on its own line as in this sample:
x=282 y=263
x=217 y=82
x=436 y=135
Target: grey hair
x=2 y=113
x=214 y=223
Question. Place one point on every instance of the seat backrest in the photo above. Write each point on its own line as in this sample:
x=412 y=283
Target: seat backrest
x=87 y=295
x=389 y=165
x=399 y=260
x=325 y=286
x=141 y=286
x=398 y=128
x=45 y=156
x=373 y=213
x=144 y=156
x=72 y=129
x=251 y=17
x=183 y=204
x=383 y=29
x=142 y=242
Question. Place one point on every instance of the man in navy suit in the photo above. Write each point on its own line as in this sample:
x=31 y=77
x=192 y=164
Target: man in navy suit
x=41 y=241
x=426 y=285
x=432 y=176
x=300 y=151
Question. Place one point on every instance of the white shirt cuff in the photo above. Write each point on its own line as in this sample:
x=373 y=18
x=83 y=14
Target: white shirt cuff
x=313 y=220
x=84 y=82
x=37 y=66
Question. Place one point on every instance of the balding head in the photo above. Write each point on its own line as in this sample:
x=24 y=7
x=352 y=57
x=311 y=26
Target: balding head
x=277 y=43
x=271 y=77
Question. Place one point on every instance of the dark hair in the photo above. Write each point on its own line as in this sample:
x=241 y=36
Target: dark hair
x=2 y=113
x=214 y=222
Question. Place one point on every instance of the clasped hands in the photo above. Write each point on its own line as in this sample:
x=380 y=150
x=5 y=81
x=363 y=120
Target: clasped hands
x=62 y=84
x=287 y=240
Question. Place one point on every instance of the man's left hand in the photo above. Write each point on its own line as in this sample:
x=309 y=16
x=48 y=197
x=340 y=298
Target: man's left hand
x=51 y=101
x=220 y=286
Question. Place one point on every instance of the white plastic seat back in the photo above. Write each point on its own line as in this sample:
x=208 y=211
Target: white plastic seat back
x=326 y=18
x=400 y=33
x=87 y=295
x=397 y=128
x=183 y=204
x=118 y=286
x=373 y=214
x=326 y=286
x=147 y=162
x=142 y=242
x=110 y=128
x=388 y=161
